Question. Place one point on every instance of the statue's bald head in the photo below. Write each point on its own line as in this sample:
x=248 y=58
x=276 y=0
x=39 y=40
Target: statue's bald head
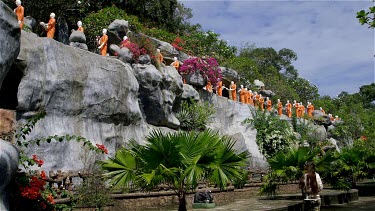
x=18 y=2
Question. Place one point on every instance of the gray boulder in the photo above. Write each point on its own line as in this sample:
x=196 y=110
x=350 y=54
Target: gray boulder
x=258 y=83
x=113 y=38
x=267 y=93
x=196 y=79
x=317 y=114
x=189 y=93
x=157 y=93
x=30 y=23
x=66 y=82
x=124 y=54
x=317 y=132
x=119 y=26
x=144 y=59
x=77 y=36
x=9 y=156
x=229 y=75
x=9 y=39
x=82 y=46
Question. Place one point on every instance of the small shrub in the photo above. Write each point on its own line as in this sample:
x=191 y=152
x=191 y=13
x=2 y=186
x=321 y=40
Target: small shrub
x=194 y=116
x=208 y=68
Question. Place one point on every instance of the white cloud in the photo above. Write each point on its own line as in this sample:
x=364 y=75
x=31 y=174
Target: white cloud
x=334 y=51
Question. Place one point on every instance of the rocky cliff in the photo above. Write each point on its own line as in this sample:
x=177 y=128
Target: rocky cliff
x=105 y=100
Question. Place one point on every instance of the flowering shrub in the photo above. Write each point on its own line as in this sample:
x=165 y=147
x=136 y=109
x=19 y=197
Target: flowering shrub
x=31 y=191
x=102 y=148
x=177 y=44
x=208 y=67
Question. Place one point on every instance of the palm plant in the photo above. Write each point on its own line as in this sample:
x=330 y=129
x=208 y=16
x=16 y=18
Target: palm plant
x=179 y=160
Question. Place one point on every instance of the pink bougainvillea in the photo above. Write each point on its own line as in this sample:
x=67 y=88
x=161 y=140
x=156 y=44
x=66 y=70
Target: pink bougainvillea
x=208 y=67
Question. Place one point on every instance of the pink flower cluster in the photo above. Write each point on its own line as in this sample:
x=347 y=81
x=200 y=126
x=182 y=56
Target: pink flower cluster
x=208 y=67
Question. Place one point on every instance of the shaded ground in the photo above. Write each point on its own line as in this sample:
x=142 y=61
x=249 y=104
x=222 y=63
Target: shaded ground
x=363 y=204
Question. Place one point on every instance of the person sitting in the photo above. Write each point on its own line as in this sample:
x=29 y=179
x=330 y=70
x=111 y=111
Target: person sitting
x=20 y=12
x=209 y=86
x=175 y=63
x=80 y=27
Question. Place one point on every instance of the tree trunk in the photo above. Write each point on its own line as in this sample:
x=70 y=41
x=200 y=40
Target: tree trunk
x=182 y=202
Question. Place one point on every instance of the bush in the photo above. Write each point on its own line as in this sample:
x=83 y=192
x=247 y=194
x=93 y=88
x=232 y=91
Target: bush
x=194 y=116
x=208 y=68
x=95 y=22
x=273 y=134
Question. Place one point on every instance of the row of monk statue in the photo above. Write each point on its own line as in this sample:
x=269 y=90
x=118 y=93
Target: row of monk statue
x=258 y=101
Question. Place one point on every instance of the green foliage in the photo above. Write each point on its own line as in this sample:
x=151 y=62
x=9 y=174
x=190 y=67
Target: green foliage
x=367 y=17
x=179 y=160
x=95 y=22
x=273 y=134
x=194 y=116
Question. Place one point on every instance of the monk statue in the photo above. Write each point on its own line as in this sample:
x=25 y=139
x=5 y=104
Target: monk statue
x=269 y=104
x=125 y=41
x=242 y=94
x=302 y=110
x=50 y=27
x=256 y=100
x=279 y=107
x=233 y=89
x=219 y=87
x=331 y=117
x=247 y=96
x=208 y=86
x=261 y=102
x=288 y=106
x=337 y=118
x=251 y=96
x=322 y=110
x=310 y=109
x=159 y=56
x=80 y=28
x=20 y=12
x=175 y=63
x=103 y=43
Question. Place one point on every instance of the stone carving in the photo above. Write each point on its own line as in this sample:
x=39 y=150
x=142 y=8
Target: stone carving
x=9 y=39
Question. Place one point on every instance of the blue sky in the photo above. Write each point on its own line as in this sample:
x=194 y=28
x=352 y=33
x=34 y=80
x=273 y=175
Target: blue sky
x=334 y=51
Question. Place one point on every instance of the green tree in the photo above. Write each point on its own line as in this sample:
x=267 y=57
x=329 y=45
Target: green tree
x=179 y=160
x=367 y=17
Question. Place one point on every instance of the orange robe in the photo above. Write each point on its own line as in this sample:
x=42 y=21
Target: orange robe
x=103 y=40
x=261 y=103
x=256 y=101
x=310 y=109
x=280 y=108
x=247 y=97
x=332 y=118
x=159 y=58
x=176 y=64
x=289 y=109
x=251 y=101
x=220 y=88
x=297 y=109
x=51 y=28
x=302 y=110
x=234 y=94
x=80 y=29
x=242 y=95
x=323 y=111
x=209 y=87
x=269 y=105
x=20 y=12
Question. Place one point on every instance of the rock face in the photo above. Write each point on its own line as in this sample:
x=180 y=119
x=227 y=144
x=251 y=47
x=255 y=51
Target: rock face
x=9 y=39
x=158 y=91
x=229 y=75
x=196 y=79
x=9 y=156
x=30 y=22
x=266 y=93
x=120 y=27
x=228 y=120
x=190 y=92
